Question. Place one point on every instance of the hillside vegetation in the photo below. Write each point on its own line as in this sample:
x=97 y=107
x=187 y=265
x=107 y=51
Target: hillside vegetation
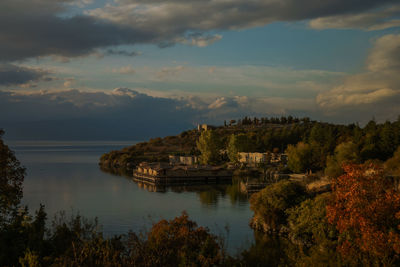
x=325 y=145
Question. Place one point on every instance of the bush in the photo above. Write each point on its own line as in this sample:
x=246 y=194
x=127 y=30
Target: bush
x=178 y=242
x=270 y=204
x=308 y=223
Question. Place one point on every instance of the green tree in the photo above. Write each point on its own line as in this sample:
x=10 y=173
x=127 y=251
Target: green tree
x=387 y=140
x=310 y=229
x=11 y=178
x=300 y=157
x=271 y=203
x=346 y=152
x=308 y=222
x=239 y=143
x=392 y=165
x=209 y=146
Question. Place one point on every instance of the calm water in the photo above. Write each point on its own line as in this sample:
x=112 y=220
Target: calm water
x=65 y=176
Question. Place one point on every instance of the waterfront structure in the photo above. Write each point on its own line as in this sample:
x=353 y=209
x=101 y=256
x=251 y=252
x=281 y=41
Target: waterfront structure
x=165 y=173
x=254 y=158
x=185 y=160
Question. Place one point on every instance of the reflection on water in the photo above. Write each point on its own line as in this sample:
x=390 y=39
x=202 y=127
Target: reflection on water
x=209 y=194
x=67 y=176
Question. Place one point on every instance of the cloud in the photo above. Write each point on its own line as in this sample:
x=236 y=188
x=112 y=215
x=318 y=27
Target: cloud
x=172 y=17
x=44 y=28
x=50 y=28
x=19 y=75
x=69 y=82
x=378 y=20
x=124 y=70
x=377 y=90
x=385 y=56
x=231 y=80
x=114 y=52
x=81 y=3
x=168 y=72
x=119 y=114
x=199 y=40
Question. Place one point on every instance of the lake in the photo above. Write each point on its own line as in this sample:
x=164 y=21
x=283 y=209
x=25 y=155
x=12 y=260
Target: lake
x=66 y=176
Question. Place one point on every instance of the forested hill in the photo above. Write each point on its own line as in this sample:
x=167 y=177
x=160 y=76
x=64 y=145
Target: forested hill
x=373 y=141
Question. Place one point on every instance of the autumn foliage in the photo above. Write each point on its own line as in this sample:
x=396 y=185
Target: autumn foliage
x=178 y=242
x=366 y=211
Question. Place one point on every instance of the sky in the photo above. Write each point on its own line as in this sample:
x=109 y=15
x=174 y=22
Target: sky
x=135 y=69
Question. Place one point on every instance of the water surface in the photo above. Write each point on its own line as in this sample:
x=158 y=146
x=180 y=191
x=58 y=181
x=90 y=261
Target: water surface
x=65 y=176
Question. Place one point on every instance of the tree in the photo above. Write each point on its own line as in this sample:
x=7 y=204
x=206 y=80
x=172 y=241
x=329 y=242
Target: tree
x=308 y=222
x=387 y=140
x=392 y=165
x=344 y=153
x=11 y=179
x=238 y=143
x=366 y=212
x=310 y=229
x=303 y=157
x=270 y=204
x=178 y=242
x=209 y=146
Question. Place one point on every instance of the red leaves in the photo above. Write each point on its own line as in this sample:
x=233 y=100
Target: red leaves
x=366 y=212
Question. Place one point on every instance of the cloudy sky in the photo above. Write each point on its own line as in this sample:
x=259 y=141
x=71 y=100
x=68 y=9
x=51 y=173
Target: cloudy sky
x=133 y=69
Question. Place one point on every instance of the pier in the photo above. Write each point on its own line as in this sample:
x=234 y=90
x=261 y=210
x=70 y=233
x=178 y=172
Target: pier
x=164 y=173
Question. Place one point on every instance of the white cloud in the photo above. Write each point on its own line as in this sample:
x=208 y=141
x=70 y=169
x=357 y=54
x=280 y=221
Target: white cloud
x=124 y=70
x=377 y=90
x=68 y=82
x=170 y=72
x=199 y=40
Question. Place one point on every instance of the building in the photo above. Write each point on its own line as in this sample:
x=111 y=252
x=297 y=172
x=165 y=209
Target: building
x=184 y=160
x=279 y=158
x=204 y=127
x=164 y=173
x=254 y=158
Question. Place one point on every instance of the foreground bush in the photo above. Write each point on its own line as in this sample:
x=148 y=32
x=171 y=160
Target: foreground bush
x=79 y=242
x=270 y=204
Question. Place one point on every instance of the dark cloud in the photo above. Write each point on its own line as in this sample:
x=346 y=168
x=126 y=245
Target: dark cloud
x=378 y=20
x=114 y=52
x=172 y=18
x=72 y=114
x=125 y=114
x=44 y=27
x=16 y=75
x=40 y=28
x=120 y=114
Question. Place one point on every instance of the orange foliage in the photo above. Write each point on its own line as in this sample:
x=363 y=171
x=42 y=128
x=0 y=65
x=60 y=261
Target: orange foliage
x=181 y=242
x=366 y=212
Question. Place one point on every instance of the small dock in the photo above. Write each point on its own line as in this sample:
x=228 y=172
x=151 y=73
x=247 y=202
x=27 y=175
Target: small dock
x=165 y=174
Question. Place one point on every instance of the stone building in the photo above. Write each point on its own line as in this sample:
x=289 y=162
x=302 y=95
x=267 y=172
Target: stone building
x=204 y=127
x=185 y=160
x=254 y=158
